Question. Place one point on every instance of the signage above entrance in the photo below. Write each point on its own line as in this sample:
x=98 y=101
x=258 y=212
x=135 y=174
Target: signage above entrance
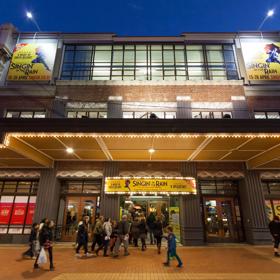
x=150 y=185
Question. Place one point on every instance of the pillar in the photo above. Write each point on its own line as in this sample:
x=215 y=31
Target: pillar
x=184 y=110
x=190 y=211
x=115 y=107
x=110 y=203
x=253 y=209
x=58 y=108
x=240 y=107
x=47 y=202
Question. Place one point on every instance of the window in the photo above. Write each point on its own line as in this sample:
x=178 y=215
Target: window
x=17 y=206
x=149 y=62
x=87 y=114
x=25 y=114
x=267 y=115
x=149 y=115
x=81 y=186
x=211 y=115
x=215 y=187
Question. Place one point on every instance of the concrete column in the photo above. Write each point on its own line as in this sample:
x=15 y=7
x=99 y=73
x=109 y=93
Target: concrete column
x=48 y=196
x=58 y=108
x=115 y=107
x=192 y=232
x=110 y=204
x=184 y=110
x=253 y=209
x=240 y=107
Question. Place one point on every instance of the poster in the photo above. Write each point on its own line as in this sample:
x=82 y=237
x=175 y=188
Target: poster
x=150 y=185
x=18 y=214
x=5 y=212
x=174 y=221
x=276 y=205
x=32 y=62
x=262 y=60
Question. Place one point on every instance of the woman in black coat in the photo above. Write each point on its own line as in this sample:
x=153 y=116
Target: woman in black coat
x=143 y=232
x=158 y=232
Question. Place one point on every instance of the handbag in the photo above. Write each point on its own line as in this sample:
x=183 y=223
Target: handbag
x=42 y=257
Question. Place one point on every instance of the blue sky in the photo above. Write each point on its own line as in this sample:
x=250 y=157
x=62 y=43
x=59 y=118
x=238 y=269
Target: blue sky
x=141 y=17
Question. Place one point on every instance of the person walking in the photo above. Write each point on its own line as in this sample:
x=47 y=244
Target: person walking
x=143 y=233
x=98 y=234
x=107 y=227
x=151 y=225
x=46 y=242
x=135 y=231
x=123 y=229
x=158 y=232
x=34 y=244
x=274 y=227
x=114 y=235
x=82 y=237
x=171 y=251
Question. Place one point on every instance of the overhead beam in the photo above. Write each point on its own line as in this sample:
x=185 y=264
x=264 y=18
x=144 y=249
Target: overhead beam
x=28 y=152
x=205 y=142
x=104 y=148
x=264 y=157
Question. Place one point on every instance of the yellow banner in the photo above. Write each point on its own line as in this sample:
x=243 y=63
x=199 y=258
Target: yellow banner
x=150 y=185
x=32 y=62
x=262 y=60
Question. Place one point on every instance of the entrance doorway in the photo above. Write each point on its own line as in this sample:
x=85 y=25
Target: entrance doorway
x=75 y=209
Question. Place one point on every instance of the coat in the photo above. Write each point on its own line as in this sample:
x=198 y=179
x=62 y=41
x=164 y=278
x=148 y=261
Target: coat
x=123 y=228
x=171 y=242
x=274 y=228
x=158 y=229
x=135 y=229
x=142 y=229
x=46 y=237
x=82 y=236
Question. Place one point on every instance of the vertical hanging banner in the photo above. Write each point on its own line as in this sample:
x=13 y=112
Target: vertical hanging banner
x=32 y=62
x=262 y=60
x=5 y=210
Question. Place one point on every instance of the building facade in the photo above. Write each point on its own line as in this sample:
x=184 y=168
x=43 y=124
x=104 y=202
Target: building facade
x=185 y=127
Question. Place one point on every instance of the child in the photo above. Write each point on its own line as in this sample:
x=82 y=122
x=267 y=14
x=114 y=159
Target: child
x=171 y=251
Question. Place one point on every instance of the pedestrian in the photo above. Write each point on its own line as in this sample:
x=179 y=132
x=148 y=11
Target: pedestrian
x=34 y=244
x=135 y=231
x=158 y=232
x=114 y=235
x=46 y=241
x=98 y=234
x=171 y=250
x=143 y=233
x=107 y=227
x=82 y=237
x=274 y=227
x=151 y=225
x=123 y=229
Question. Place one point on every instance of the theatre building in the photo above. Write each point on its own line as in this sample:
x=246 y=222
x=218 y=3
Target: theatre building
x=186 y=128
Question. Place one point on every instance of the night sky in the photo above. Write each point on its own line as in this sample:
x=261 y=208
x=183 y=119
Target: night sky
x=141 y=17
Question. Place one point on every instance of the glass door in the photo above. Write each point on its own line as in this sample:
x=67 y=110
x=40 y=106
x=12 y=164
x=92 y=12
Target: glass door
x=221 y=221
x=75 y=209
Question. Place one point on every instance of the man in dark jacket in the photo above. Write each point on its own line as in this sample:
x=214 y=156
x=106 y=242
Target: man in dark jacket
x=82 y=237
x=274 y=227
x=123 y=229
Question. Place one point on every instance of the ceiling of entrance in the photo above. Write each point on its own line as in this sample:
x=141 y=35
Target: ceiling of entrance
x=41 y=150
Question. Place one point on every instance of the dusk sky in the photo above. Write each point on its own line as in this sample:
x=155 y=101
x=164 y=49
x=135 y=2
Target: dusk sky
x=141 y=17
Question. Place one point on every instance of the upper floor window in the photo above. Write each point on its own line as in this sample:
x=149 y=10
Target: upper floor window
x=211 y=115
x=86 y=114
x=149 y=62
x=267 y=115
x=149 y=115
x=25 y=114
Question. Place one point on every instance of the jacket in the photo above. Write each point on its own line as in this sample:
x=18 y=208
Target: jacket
x=142 y=228
x=107 y=227
x=82 y=235
x=46 y=237
x=158 y=229
x=123 y=227
x=33 y=235
x=171 y=242
x=98 y=229
x=274 y=228
x=135 y=229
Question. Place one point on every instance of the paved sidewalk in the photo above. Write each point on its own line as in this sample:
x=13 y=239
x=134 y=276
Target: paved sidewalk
x=225 y=262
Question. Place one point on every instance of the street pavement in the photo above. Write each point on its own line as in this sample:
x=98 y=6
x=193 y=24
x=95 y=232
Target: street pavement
x=210 y=262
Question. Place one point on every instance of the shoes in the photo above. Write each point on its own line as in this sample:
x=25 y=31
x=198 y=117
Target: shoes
x=52 y=268
x=115 y=256
x=77 y=255
x=180 y=265
x=166 y=264
x=88 y=255
x=36 y=266
x=126 y=254
x=276 y=254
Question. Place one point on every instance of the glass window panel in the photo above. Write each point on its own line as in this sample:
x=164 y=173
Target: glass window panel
x=102 y=57
x=93 y=115
x=194 y=47
x=196 y=72
x=90 y=187
x=260 y=115
x=129 y=47
x=195 y=56
x=227 y=47
x=15 y=230
x=74 y=187
x=101 y=71
x=168 y=57
x=117 y=57
x=141 y=115
x=274 y=188
x=141 y=47
x=71 y=114
x=196 y=115
x=214 y=47
x=227 y=115
x=118 y=47
x=81 y=114
x=26 y=114
x=83 y=47
x=102 y=115
x=117 y=72
x=168 y=47
x=83 y=56
x=215 y=56
x=206 y=115
x=159 y=115
x=69 y=47
x=180 y=57
x=103 y=47
x=170 y=115
x=156 y=47
x=3 y=230
x=34 y=187
x=273 y=115
x=23 y=187
x=217 y=115
x=229 y=56
x=129 y=57
x=12 y=114
x=128 y=115
x=39 y=115
x=68 y=56
x=156 y=57
x=179 y=47
x=10 y=186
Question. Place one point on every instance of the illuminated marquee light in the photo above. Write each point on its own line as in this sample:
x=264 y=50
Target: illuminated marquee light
x=150 y=178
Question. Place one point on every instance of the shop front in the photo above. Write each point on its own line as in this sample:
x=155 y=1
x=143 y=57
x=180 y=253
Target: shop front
x=151 y=197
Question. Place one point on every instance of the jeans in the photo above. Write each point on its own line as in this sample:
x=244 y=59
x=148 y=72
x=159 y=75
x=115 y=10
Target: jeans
x=119 y=241
x=276 y=241
x=106 y=245
x=174 y=255
x=82 y=244
x=97 y=239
